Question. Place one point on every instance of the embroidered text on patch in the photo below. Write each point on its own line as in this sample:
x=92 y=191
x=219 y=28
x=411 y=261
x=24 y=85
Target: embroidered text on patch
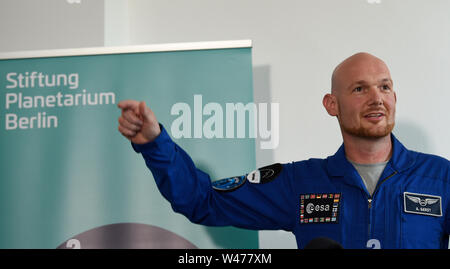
x=319 y=208
x=422 y=204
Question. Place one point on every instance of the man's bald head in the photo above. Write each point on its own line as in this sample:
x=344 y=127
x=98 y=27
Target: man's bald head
x=362 y=97
x=351 y=68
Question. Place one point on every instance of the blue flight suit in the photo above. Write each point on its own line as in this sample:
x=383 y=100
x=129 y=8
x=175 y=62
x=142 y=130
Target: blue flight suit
x=315 y=198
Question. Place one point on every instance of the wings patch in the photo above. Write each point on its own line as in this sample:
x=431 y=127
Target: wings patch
x=422 y=204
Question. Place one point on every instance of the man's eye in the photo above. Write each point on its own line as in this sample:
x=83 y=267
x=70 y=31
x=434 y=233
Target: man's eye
x=357 y=89
x=386 y=87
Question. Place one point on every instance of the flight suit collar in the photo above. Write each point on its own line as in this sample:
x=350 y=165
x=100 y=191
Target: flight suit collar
x=401 y=160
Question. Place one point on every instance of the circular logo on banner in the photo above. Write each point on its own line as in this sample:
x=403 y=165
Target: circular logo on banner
x=127 y=236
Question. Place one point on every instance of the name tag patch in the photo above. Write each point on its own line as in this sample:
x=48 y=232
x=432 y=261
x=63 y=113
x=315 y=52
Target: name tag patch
x=422 y=204
x=319 y=208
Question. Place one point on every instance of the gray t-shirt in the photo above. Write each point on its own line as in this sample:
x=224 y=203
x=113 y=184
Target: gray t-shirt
x=370 y=173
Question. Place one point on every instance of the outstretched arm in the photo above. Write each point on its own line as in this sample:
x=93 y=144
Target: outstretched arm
x=252 y=203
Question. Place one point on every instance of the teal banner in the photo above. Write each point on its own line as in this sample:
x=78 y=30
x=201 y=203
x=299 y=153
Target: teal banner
x=69 y=179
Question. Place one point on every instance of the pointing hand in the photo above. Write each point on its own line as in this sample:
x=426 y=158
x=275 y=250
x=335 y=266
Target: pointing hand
x=138 y=123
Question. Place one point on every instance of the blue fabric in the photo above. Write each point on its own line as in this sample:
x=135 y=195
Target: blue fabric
x=276 y=204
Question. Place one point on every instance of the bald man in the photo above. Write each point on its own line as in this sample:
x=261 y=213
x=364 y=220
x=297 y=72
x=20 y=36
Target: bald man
x=372 y=193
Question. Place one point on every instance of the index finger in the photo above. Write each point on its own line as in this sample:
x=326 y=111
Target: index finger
x=128 y=104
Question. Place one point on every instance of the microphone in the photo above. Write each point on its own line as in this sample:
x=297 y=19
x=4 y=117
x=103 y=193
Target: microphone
x=323 y=243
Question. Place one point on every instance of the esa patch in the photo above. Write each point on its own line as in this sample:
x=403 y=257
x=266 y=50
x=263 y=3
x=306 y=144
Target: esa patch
x=320 y=208
x=265 y=174
x=422 y=204
x=229 y=184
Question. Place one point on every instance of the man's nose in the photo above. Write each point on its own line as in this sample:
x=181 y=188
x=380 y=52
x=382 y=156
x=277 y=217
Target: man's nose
x=375 y=96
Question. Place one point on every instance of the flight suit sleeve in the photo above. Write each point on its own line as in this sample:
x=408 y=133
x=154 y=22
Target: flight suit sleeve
x=265 y=204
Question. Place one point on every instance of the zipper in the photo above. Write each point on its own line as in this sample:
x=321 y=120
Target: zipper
x=370 y=199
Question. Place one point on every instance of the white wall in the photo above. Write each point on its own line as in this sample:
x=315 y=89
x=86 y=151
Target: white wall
x=50 y=24
x=296 y=46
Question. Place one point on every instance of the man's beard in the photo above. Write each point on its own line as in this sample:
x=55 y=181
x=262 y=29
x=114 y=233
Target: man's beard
x=372 y=133
x=369 y=132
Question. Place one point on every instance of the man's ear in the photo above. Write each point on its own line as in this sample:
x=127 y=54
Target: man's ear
x=330 y=103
